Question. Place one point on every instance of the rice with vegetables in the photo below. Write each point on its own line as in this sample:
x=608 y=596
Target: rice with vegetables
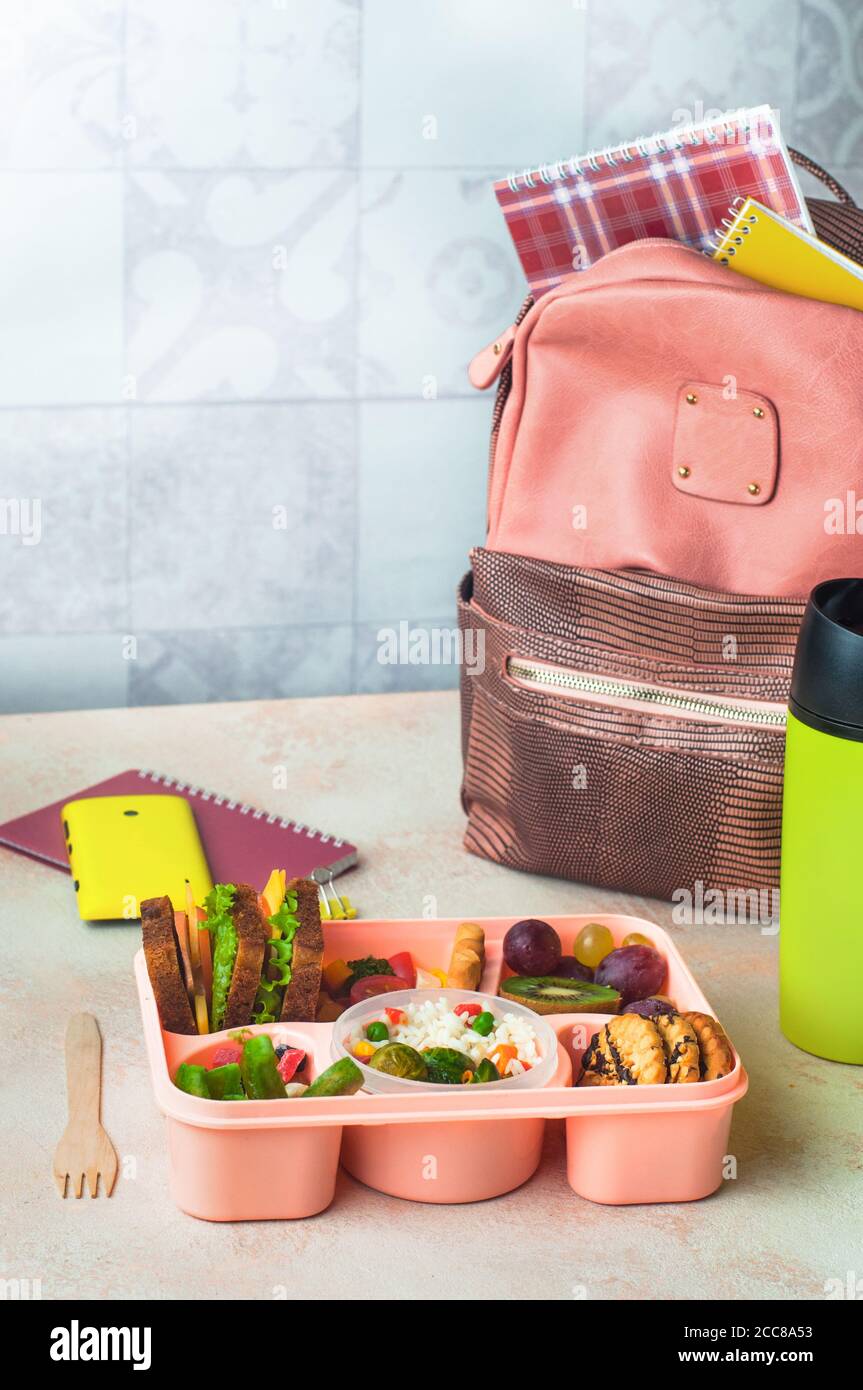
x=432 y=1023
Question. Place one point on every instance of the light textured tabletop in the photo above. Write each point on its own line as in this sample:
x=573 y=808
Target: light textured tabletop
x=384 y=772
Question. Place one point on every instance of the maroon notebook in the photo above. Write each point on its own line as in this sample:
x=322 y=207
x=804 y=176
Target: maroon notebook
x=241 y=844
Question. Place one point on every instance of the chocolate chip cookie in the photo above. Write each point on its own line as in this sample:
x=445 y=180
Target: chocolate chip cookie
x=628 y=1051
x=598 y=1066
x=717 y=1055
x=682 y=1052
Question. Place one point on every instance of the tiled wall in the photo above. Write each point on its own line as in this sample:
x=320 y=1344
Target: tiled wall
x=246 y=250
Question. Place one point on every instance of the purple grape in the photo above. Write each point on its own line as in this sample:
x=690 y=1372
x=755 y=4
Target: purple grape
x=568 y=968
x=532 y=947
x=635 y=972
x=649 y=1008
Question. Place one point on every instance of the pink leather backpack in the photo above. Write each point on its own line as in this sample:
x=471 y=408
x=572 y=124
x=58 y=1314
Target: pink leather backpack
x=664 y=413
x=675 y=461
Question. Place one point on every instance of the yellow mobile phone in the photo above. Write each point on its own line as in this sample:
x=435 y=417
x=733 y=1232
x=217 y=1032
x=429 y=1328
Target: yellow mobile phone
x=123 y=849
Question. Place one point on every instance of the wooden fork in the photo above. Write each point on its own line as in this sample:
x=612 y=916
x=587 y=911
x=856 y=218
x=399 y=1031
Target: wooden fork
x=85 y=1148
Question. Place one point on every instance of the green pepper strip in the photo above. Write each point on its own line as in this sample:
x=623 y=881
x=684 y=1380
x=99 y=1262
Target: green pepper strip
x=192 y=1080
x=223 y=1081
x=259 y=1068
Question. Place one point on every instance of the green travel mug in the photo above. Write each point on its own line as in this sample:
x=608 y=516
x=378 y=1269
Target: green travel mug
x=821 y=892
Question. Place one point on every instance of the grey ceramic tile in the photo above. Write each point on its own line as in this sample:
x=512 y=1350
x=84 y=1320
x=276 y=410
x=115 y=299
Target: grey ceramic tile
x=422 y=487
x=239 y=123
x=440 y=278
x=406 y=654
x=657 y=64
x=61 y=288
x=241 y=285
x=447 y=83
x=60 y=80
x=242 y=83
x=62 y=521
x=828 y=123
x=243 y=515
x=65 y=671
x=240 y=664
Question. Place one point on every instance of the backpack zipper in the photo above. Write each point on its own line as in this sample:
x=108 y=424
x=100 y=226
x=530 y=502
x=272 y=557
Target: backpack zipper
x=503 y=389
x=540 y=676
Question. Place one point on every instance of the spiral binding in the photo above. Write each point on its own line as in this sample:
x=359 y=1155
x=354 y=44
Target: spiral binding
x=731 y=224
x=731 y=124
x=244 y=809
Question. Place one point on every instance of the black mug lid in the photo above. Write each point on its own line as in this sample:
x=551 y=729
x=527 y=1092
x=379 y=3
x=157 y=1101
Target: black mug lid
x=827 y=681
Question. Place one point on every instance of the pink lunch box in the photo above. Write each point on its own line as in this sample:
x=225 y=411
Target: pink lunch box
x=277 y=1160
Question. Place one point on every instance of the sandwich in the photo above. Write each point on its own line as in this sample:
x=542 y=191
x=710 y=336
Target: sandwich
x=253 y=958
x=239 y=936
x=166 y=966
x=291 y=974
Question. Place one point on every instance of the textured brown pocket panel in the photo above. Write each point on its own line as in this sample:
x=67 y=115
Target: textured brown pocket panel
x=634 y=800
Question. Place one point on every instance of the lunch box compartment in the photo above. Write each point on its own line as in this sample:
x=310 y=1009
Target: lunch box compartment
x=274 y=1160
x=664 y=1156
x=220 y=1170
x=466 y=1161
x=252 y=1175
x=445 y=1163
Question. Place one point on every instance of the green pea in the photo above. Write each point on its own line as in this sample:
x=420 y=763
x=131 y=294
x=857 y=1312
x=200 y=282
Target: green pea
x=483 y=1024
x=378 y=1032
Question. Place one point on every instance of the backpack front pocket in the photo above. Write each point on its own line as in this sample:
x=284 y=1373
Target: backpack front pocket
x=586 y=757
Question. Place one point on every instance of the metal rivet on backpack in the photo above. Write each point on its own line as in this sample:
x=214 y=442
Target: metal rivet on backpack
x=758 y=412
x=691 y=398
x=498 y=347
x=754 y=489
x=684 y=471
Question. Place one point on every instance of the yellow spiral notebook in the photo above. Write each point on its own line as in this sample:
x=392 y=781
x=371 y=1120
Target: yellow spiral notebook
x=759 y=243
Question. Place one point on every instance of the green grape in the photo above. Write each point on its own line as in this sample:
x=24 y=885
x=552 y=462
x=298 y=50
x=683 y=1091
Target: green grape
x=593 y=944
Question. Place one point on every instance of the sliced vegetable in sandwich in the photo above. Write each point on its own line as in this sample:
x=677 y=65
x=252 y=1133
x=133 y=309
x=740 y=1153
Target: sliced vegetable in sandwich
x=281 y=907
x=291 y=978
x=239 y=935
x=252 y=959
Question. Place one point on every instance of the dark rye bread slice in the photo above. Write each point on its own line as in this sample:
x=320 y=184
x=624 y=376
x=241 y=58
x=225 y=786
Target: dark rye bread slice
x=162 y=954
x=300 y=1002
x=253 y=933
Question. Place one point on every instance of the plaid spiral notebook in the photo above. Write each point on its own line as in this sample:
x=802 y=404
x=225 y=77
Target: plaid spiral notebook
x=564 y=216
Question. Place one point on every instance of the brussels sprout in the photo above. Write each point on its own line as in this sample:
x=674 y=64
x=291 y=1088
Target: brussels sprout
x=486 y=1071
x=397 y=1059
x=447 y=1066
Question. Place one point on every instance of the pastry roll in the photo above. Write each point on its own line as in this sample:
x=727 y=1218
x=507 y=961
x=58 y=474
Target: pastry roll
x=468 y=957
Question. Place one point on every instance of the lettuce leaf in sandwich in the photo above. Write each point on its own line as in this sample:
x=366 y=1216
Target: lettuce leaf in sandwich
x=218 y=906
x=276 y=974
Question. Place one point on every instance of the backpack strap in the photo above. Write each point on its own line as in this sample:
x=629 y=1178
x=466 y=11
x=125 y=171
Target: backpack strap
x=804 y=162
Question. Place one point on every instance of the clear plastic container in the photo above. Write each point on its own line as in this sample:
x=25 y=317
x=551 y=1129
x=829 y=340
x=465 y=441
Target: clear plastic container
x=379 y=1083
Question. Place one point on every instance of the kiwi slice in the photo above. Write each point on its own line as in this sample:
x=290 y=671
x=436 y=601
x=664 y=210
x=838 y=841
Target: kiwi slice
x=550 y=994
